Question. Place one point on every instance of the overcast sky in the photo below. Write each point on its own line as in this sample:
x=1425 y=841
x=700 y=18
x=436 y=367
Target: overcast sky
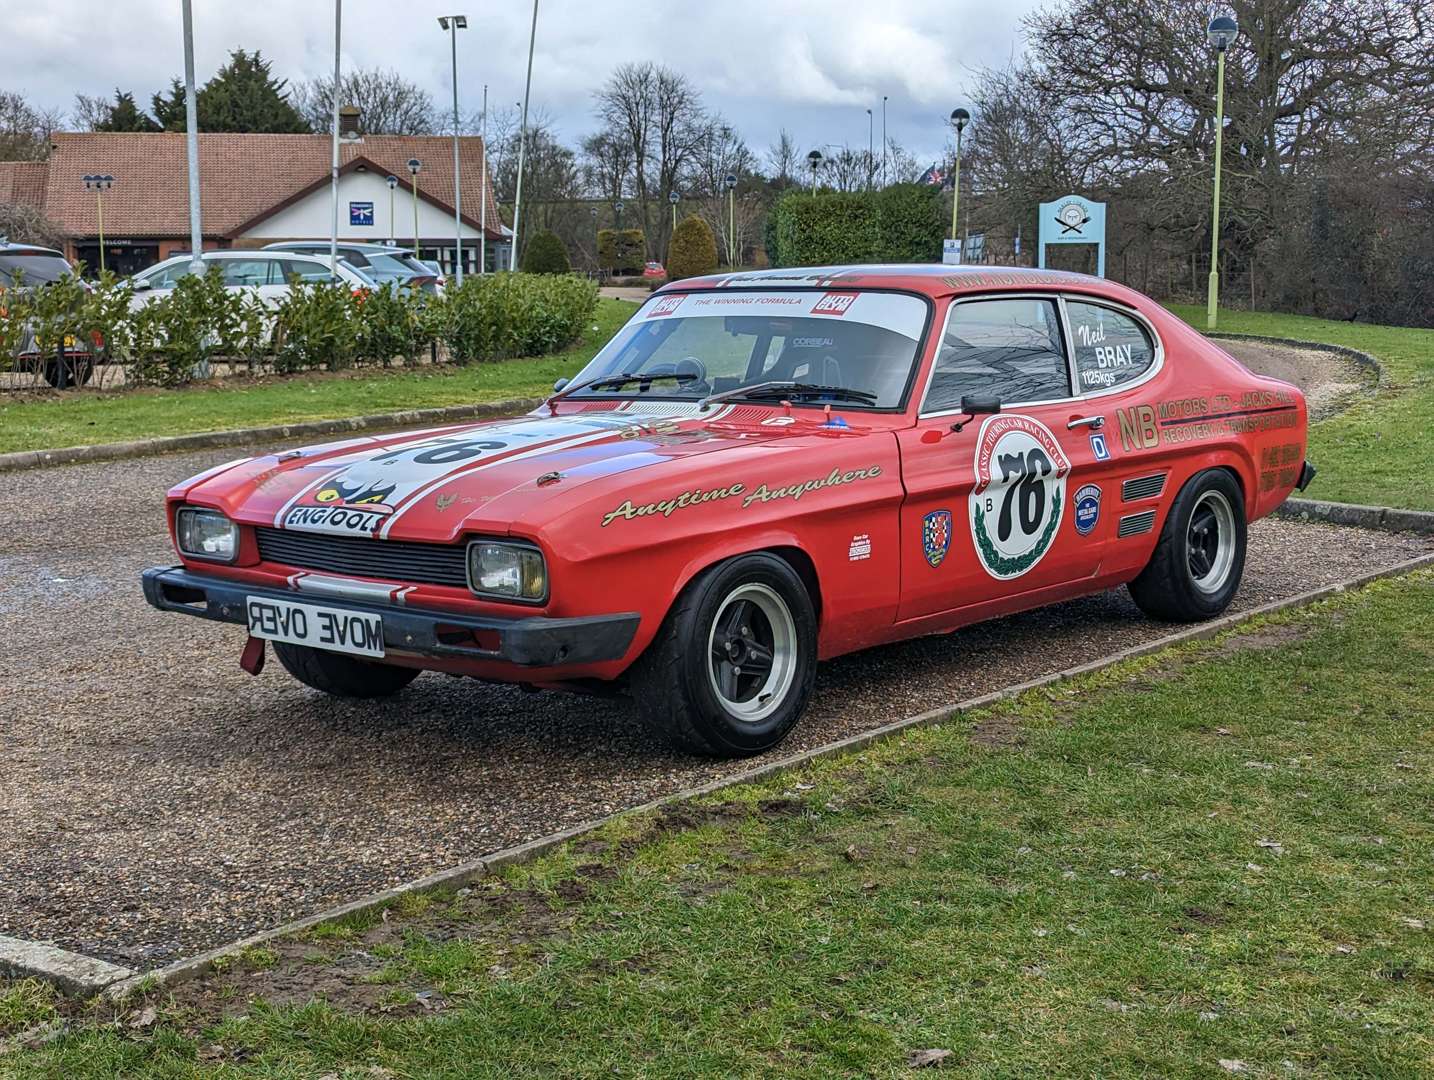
x=811 y=66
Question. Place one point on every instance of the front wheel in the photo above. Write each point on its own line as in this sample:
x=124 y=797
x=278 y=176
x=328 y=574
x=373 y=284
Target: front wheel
x=1200 y=558
x=731 y=669
x=342 y=676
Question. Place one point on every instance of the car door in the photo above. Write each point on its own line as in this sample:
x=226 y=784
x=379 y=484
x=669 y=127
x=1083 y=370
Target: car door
x=991 y=511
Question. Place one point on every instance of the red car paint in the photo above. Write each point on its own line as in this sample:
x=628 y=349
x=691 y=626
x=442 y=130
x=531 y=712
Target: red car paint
x=876 y=508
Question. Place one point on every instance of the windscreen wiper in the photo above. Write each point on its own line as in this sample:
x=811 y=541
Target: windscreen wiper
x=617 y=381
x=785 y=388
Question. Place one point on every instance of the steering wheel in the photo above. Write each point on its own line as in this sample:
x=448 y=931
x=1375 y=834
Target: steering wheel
x=688 y=365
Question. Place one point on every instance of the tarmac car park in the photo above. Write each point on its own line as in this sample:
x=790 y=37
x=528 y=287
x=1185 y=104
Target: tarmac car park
x=759 y=471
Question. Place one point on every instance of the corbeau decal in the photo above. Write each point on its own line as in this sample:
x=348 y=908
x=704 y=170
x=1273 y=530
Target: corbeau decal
x=1087 y=509
x=936 y=536
x=1020 y=491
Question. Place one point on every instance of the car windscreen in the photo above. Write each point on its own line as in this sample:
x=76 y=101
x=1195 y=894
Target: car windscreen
x=715 y=342
x=38 y=268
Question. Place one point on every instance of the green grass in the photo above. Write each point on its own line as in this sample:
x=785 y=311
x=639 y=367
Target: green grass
x=1377 y=452
x=1095 y=893
x=84 y=418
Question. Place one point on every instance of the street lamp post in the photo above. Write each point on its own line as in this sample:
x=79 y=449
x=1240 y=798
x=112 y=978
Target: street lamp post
x=334 y=164
x=597 y=255
x=814 y=159
x=870 y=148
x=523 y=143
x=414 y=167
x=483 y=191
x=191 y=129
x=99 y=184
x=731 y=183
x=674 y=199
x=959 y=118
x=453 y=24
x=392 y=182
x=883 y=140
x=1221 y=33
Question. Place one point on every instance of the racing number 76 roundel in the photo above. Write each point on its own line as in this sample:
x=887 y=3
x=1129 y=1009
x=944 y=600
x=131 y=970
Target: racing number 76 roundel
x=1019 y=494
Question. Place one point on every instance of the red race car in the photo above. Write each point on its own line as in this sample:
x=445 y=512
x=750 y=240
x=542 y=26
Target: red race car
x=760 y=471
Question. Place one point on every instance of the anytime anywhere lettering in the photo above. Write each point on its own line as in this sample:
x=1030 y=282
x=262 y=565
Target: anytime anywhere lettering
x=762 y=493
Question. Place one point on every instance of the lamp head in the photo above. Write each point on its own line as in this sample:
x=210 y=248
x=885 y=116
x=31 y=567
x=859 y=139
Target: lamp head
x=960 y=118
x=391 y=181
x=814 y=159
x=730 y=181
x=1222 y=32
x=673 y=198
x=414 y=165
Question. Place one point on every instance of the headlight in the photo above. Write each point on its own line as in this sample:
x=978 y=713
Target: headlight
x=206 y=534
x=507 y=571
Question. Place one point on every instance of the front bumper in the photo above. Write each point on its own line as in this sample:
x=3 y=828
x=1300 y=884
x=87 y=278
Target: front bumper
x=528 y=641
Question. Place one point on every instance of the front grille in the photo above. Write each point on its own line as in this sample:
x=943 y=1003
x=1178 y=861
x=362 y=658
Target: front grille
x=390 y=560
x=1142 y=487
x=1136 y=524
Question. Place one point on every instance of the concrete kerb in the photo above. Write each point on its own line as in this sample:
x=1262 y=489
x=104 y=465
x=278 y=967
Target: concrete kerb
x=72 y=972
x=1386 y=518
x=457 y=876
x=169 y=444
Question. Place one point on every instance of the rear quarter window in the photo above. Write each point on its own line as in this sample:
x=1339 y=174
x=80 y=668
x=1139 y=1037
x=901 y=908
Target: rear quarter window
x=1110 y=348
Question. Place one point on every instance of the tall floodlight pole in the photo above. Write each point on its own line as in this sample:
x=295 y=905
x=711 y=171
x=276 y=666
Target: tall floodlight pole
x=414 y=165
x=814 y=159
x=334 y=164
x=959 y=118
x=883 y=139
x=453 y=24
x=1221 y=33
x=191 y=127
x=483 y=191
x=870 y=148
x=523 y=142
x=731 y=182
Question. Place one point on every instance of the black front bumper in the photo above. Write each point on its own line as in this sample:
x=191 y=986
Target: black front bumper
x=529 y=641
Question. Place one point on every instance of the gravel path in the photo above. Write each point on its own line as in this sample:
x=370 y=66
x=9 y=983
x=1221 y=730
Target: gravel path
x=158 y=801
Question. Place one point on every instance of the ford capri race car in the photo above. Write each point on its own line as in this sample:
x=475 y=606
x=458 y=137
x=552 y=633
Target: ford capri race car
x=758 y=472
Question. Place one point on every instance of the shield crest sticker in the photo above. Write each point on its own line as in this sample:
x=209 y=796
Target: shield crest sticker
x=936 y=536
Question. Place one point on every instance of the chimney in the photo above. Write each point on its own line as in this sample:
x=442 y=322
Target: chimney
x=349 y=124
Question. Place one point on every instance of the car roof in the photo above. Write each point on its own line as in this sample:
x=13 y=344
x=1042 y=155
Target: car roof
x=248 y=253
x=930 y=279
x=354 y=245
x=7 y=248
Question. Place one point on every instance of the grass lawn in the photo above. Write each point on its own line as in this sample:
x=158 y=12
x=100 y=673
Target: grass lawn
x=1222 y=854
x=96 y=417
x=1377 y=452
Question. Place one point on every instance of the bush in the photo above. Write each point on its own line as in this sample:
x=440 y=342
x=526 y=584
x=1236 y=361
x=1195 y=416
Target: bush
x=175 y=335
x=622 y=252
x=390 y=323
x=495 y=316
x=903 y=223
x=546 y=255
x=316 y=325
x=693 y=251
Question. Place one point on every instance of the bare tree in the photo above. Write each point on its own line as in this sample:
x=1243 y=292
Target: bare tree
x=26 y=225
x=607 y=164
x=25 y=130
x=388 y=103
x=90 y=112
x=783 y=160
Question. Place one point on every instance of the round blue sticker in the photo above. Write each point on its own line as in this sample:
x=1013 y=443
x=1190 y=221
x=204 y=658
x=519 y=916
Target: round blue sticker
x=1087 y=509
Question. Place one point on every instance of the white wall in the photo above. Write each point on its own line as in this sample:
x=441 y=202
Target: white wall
x=309 y=218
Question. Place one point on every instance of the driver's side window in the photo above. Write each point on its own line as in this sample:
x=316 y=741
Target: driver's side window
x=1009 y=349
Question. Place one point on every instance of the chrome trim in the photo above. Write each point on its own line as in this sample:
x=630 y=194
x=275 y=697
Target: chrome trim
x=1136 y=488
x=347 y=588
x=1086 y=421
x=1156 y=366
x=1136 y=524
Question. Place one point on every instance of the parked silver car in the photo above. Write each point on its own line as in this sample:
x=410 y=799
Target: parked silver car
x=265 y=273
x=382 y=262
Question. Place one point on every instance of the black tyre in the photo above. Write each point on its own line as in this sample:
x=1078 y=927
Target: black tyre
x=731 y=669
x=342 y=676
x=1200 y=558
x=73 y=371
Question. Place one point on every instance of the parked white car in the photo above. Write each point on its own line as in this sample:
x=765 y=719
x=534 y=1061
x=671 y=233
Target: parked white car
x=265 y=273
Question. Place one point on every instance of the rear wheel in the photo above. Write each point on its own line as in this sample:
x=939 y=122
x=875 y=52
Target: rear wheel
x=342 y=676
x=1200 y=558
x=732 y=667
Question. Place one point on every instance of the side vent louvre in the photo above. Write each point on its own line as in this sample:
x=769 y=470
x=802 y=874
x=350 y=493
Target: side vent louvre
x=1142 y=487
x=1136 y=524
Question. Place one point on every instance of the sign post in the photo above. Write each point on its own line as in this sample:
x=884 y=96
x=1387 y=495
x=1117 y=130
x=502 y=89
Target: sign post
x=1072 y=220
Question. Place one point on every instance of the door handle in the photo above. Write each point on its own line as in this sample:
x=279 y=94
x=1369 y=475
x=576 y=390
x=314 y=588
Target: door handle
x=1085 y=421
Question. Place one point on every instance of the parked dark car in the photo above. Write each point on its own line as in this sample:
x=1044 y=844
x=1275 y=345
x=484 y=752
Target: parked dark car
x=25 y=267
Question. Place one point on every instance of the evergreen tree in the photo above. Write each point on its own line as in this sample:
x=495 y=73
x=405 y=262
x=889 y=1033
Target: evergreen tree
x=125 y=115
x=242 y=96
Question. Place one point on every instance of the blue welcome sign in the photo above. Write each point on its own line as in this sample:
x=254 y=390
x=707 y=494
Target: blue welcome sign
x=1072 y=219
x=360 y=213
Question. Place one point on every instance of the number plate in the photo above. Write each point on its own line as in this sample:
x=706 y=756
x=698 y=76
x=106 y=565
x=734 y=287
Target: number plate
x=319 y=627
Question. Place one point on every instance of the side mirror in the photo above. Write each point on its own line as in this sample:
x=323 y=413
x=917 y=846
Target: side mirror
x=972 y=407
x=557 y=386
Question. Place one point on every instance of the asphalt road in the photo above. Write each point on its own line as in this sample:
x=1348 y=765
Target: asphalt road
x=157 y=800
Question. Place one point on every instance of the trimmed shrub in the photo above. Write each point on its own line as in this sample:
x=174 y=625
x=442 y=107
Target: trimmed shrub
x=693 y=251
x=496 y=316
x=621 y=252
x=903 y=223
x=389 y=324
x=316 y=326
x=546 y=255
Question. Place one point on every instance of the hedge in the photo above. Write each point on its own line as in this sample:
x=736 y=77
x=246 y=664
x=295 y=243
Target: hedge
x=902 y=223
x=693 y=251
x=621 y=252
x=546 y=255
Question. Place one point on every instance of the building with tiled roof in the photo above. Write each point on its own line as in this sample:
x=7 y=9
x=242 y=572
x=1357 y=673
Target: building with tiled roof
x=255 y=189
